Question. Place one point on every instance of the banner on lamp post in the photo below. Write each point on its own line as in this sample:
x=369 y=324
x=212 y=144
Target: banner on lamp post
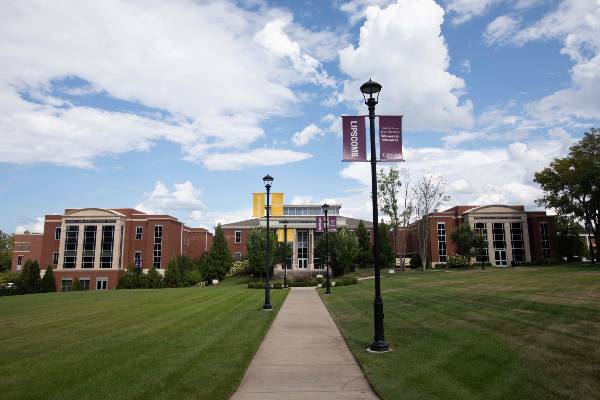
x=390 y=138
x=353 y=138
x=332 y=224
x=320 y=223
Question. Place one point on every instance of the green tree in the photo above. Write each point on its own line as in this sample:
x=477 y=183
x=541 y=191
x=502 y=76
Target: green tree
x=256 y=251
x=219 y=256
x=173 y=274
x=76 y=286
x=567 y=242
x=154 y=279
x=29 y=281
x=386 y=252
x=47 y=283
x=6 y=248
x=320 y=252
x=463 y=237
x=346 y=245
x=283 y=253
x=389 y=185
x=364 y=258
x=571 y=185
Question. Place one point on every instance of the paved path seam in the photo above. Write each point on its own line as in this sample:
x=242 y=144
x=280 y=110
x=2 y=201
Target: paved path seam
x=304 y=356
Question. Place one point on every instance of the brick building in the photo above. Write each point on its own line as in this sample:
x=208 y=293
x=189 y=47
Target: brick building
x=97 y=245
x=512 y=234
x=302 y=234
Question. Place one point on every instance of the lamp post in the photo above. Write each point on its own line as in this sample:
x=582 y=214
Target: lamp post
x=268 y=180
x=379 y=344
x=285 y=263
x=325 y=208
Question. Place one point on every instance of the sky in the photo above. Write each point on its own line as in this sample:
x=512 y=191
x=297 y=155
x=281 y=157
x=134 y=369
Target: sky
x=181 y=107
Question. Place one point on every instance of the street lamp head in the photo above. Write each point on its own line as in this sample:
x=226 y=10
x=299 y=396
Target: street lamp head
x=285 y=222
x=325 y=207
x=370 y=88
x=268 y=180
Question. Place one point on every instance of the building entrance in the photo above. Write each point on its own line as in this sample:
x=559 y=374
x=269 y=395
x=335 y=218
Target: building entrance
x=302 y=249
x=500 y=257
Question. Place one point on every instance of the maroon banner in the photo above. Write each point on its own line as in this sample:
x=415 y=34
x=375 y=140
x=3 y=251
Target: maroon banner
x=320 y=223
x=353 y=138
x=390 y=138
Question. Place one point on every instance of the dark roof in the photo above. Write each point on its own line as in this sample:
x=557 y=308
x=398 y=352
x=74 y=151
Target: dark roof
x=248 y=222
x=352 y=223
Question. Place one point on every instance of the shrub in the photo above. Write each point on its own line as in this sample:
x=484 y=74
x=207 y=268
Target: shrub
x=133 y=279
x=415 y=261
x=458 y=261
x=261 y=285
x=29 y=281
x=154 y=279
x=47 y=283
x=239 y=267
x=191 y=278
x=277 y=285
x=6 y=277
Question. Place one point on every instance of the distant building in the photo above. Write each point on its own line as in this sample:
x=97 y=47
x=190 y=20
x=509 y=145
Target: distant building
x=512 y=233
x=302 y=233
x=97 y=245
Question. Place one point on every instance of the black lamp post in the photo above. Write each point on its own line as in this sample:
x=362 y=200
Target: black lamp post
x=268 y=180
x=285 y=263
x=379 y=344
x=325 y=208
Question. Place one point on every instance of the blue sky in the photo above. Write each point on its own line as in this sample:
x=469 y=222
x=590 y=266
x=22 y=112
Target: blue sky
x=181 y=107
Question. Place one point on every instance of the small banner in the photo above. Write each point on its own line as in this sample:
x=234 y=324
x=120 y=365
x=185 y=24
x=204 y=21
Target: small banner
x=258 y=204
x=277 y=205
x=320 y=223
x=390 y=138
x=353 y=138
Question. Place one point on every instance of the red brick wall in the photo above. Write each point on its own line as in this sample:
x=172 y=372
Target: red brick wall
x=236 y=247
x=534 y=220
x=112 y=275
x=33 y=254
x=49 y=244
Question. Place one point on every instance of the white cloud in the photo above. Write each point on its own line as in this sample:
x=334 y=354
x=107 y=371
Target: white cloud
x=197 y=61
x=356 y=9
x=466 y=66
x=36 y=226
x=161 y=199
x=501 y=29
x=402 y=48
x=302 y=200
x=464 y=10
x=455 y=139
x=306 y=135
x=252 y=158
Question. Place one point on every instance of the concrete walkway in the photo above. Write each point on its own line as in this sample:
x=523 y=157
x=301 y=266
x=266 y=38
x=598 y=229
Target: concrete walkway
x=304 y=356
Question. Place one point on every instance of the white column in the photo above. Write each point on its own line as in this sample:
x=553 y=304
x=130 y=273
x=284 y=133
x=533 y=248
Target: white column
x=490 y=240
x=79 y=246
x=61 y=246
x=526 y=239
x=311 y=253
x=508 y=239
x=116 y=246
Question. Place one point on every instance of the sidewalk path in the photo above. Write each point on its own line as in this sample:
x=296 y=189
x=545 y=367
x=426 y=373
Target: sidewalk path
x=304 y=356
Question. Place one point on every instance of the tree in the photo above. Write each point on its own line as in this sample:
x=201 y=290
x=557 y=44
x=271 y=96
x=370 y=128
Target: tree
x=364 y=258
x=388 y=190
x=173 y=274
x=571 y=185
x=479 y=244
x=429 y=195
x=154 y=279
x=567 y=243
x=47 y=283
x=386 y=251
x=347 y=250
x=321 y=254
x=6 y=248
x=76 y=286
x=464 y=237
x=283 y=253
x=220 y=259
x=30 y=277
x=256 y=246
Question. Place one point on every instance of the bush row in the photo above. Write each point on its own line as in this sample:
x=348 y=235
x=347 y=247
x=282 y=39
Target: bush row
x=261 y=285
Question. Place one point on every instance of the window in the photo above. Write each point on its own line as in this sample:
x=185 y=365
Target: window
x=57 y=233
x=482 y=254
x=237 y=255
x=302 y=249
x=517 y=242
x=71 y=240
x=19 y=262
x=138 y=232
x=66 y=285
x=545 y=240
x=238 y=236
x=101 y=283
x=137 y=259
x=84 y=284
x=441 y=235
x=89 y=246
x=158 y=234
x=499 y=243
x=55 y=258
x=108 y=241
x=22 y=246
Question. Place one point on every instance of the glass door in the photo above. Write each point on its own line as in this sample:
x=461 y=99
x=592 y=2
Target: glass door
x=302 y=249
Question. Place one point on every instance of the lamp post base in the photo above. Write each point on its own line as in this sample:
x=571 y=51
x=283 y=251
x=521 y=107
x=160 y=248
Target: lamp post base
x=267 y=307
x=379 y=347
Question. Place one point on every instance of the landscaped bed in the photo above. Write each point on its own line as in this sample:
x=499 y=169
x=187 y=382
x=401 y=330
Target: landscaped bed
x=188 y=343
x=523 y=333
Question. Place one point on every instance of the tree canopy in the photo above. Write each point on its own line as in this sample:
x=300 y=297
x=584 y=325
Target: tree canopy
x=219 y=256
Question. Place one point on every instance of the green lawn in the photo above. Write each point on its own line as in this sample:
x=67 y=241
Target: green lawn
x=192 y=343
x=524 y=333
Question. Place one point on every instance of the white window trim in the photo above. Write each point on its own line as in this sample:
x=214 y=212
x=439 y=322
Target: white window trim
x=141 y=233
x=235 y=237
x=56 y=230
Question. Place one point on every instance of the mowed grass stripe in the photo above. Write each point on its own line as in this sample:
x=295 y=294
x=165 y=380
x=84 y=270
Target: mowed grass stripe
x=169 y=343
x=480 y=335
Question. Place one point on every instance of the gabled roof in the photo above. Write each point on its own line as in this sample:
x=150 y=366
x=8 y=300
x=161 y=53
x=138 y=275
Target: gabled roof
x=245 y=223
